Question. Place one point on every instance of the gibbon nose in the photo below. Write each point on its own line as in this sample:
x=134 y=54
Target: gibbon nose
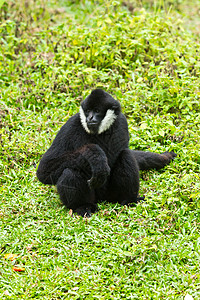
x=91 y=118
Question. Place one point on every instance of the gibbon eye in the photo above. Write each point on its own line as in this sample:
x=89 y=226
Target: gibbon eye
x=96 y=110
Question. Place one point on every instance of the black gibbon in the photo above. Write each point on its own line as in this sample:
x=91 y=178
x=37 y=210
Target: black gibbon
x=90 y=160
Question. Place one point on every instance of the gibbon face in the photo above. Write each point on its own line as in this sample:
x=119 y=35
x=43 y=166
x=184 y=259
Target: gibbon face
x=98 y=112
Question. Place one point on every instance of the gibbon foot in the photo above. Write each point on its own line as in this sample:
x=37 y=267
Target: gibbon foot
x=86 y=211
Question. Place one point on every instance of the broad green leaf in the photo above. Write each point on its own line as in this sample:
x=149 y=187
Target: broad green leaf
x=1 y=3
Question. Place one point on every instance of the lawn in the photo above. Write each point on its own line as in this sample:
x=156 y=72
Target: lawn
x=147 y=55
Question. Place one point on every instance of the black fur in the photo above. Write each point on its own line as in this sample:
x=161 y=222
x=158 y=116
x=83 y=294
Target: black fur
x=89 y=166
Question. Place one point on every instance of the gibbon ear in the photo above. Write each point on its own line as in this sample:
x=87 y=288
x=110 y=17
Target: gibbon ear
x=116 y=109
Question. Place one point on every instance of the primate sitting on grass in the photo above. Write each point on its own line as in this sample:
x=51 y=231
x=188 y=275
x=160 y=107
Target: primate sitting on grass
x=90 y=160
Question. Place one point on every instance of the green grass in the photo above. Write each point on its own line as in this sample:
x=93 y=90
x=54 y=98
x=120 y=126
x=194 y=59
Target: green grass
x=147 y=55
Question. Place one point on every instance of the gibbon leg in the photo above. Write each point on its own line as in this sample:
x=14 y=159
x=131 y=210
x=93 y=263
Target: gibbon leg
x=150 y=160
x=75 y=193
x=123 y=185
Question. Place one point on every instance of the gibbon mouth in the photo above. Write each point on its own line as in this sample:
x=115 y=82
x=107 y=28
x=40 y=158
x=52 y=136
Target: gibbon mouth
x=93 y=127
x=92 y=123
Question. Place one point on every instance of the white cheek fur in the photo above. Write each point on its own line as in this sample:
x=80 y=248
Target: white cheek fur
x=105 y=124
x=107 y=121
x=83 y=120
